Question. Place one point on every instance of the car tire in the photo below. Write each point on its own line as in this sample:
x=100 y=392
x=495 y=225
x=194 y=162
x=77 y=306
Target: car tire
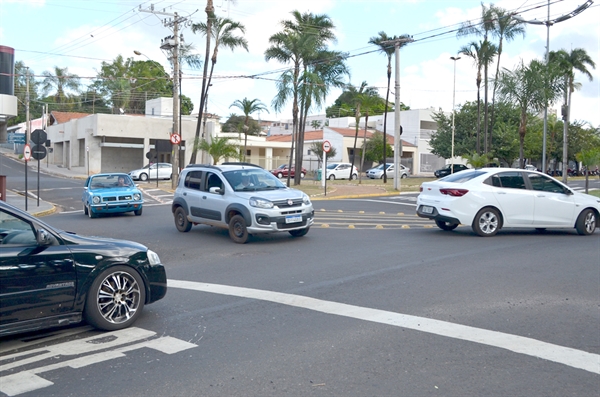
x=238 y=230
x=90 y=213
x=279 y=175
x=115 y=299
x=181 y=221
x=331 y=177
x=143 y=177
x=487 y=222
x=354 y=177
x=138 y=212
x=404 y=176
x=85 y=210
x=381 y=177
x=586 y=222
x=448 y=226
x=299 y=232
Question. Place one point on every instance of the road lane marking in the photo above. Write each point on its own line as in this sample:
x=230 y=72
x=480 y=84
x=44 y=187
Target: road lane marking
x=518 y=344
x=75 y=351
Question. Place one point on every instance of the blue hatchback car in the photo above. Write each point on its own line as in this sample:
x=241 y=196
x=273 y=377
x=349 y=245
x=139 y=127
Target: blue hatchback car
x=111 y=193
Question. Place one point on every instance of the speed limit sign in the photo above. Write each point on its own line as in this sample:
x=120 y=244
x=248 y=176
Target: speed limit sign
x=326 y=146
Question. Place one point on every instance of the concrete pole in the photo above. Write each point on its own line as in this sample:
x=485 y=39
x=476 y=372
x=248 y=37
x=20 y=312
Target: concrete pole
x=175 y=152
x=397 y=125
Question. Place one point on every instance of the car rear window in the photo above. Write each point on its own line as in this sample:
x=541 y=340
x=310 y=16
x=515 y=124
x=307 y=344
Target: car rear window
x=463 y=176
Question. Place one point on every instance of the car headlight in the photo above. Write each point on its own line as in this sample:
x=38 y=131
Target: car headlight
x=260 y=203
x=137 y=196
x=306 y=199
x=96 y=200
x=153 y=258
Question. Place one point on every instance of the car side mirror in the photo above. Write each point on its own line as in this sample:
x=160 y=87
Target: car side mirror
x=215 y=189
x=43 y=237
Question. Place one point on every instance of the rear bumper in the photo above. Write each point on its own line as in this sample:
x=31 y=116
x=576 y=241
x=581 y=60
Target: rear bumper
x=435 y=215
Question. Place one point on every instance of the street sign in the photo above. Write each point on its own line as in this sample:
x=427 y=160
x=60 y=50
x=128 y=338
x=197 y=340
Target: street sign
x=16 y=138
x=38 y=152
x=326 y=146
x=39 y=136
x=27 y=152
x=175 y=139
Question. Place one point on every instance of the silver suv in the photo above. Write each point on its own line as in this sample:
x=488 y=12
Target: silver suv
x=241 y=197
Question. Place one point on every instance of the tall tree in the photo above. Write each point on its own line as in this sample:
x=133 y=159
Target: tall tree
x=505 y=28
x=482 y=53
x=528 y=86
x=301 y=39
x=383 y=42
x=567 y=63
x=248 y=107
x=59 y=80
x=223 y=31
x=482 y=28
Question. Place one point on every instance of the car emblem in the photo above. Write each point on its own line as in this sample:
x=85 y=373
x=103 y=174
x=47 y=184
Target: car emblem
x=290 y=202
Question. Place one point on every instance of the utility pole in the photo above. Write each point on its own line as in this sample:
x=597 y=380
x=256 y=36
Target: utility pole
x=397 y=125
x=172 y=43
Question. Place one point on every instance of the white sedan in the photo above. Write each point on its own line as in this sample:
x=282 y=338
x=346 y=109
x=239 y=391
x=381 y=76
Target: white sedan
x=150 y=171
x=489 y=199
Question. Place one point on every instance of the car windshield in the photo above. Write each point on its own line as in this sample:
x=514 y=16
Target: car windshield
x=463 y=176
x=109 y=181
x=255 y=179
x=332 y=166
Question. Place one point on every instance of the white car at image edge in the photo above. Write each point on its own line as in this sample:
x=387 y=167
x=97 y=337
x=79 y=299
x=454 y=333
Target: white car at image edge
x=489 y=199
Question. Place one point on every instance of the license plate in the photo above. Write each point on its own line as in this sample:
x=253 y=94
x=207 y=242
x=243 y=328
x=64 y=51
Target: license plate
x=426 y=209
x=293 y=218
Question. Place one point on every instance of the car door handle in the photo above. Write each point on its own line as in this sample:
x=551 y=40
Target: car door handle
x=501 y=192
x=204 y=197
x=540 y=195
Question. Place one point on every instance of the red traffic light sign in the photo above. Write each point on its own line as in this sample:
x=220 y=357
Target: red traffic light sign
x=326 y=146
x=27 y=152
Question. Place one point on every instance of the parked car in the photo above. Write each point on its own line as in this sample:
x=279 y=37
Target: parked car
x=109 y=194
x=377 y=172
x=282 y=171
x=442 y=172
x=243 y=198
x=489 y=199
x=152 y=171
x=341 y=171
x=53 y=278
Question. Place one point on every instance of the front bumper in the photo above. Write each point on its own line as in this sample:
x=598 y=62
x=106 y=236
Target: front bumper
x=269 y=223
x=115 y=207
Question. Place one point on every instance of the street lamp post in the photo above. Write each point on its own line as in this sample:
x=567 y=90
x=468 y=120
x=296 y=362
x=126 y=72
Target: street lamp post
x=453 y=113
x=548 y=22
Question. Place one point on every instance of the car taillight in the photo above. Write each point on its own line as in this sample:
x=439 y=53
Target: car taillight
x=420 y=188
x=454 y=192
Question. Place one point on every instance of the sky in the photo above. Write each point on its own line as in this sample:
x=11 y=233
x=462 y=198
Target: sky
x=80 y=34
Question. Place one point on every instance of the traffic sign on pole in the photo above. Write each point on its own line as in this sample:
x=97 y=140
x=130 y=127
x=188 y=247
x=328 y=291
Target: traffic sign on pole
x=27 y=152
x=326 y=146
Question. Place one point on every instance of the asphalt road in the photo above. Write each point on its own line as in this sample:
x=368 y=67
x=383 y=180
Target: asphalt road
x=350 y=309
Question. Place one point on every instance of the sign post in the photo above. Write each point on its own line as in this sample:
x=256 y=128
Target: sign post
x=27 y=157
x=326 y=149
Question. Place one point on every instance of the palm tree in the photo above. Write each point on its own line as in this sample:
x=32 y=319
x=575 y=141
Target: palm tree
x=369 y=102
x=327 y=69
x=483 y=28
x=508 y=28
x=248 y=107
x=382 y=41
x=223 y=30
x=482 y=53
x=299 y=43
x=59 y=81
x=529 y=86
x=218 y=148
x=578 y=59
